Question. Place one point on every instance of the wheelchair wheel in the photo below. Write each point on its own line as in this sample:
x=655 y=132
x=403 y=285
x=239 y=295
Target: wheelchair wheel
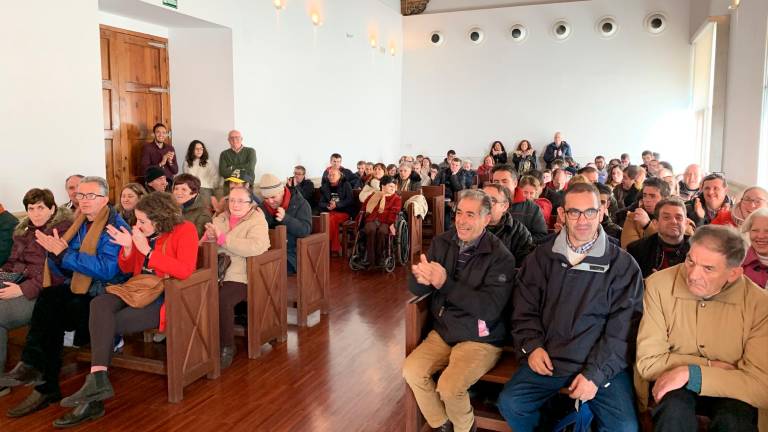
x=403 y=250
x=355 y=265
x=389 y=264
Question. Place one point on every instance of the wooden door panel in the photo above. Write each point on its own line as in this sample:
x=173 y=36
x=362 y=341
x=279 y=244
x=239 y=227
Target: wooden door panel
x=106 y=96
x=106 y=71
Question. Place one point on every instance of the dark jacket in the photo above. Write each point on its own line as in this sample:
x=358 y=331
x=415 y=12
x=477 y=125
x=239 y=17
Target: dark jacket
x=307 y=190
x=514 y=235
x=352 y=178
x=523 y=164
x=611 y=228
x=480 y=292
x=549 y=152
x=7 y=223
x=625 y=198
x=414 y=182
x=648 y=254
x=28 y=257
x=690 y=207
x=198 y=213
x=499 y=159
x=297 y=221
x=342 y=193
x=621 y=215
x=530 y=215
x=585 y=316
x=454 y=182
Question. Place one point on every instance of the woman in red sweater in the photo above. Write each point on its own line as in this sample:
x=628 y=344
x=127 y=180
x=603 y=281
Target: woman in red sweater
x=161 y=243
x=381 y=209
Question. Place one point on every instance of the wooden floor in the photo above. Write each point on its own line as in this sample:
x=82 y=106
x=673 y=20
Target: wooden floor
x=343 y=374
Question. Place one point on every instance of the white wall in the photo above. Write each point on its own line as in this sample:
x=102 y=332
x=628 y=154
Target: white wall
x=623 y=94
x=50 y=82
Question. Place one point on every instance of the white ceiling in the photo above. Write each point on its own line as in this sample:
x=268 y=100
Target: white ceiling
x=437 y=6
x=139 y=10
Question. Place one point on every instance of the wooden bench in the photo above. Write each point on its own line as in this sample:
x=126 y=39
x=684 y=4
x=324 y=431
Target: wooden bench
x=192 y=330
x=267 y=294
x=307 y=290
x=414 y=226
x=417 y=325
x=434 y=222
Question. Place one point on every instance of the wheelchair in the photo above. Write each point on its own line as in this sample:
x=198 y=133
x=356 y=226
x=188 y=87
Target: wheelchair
x=397 y=248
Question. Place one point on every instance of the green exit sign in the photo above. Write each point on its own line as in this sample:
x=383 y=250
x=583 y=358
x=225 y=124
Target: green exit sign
x=171 y=3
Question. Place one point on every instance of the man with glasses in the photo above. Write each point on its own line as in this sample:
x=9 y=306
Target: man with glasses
x=236 y=159
x=509 y=230
x=87 y=258
x=299 y=183
x=577 y=303
x=710 y=201
x=526 y=211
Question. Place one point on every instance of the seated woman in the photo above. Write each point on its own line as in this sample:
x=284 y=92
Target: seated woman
x=423 y=170
x=484 y=170
x=498 y=153
x=530 y=187
x=129 y=197
x=337 y=200
x=28 y=258
x=381 y=211
x=756 y=262
x=408 y=179
x=752 y=199
x=392 y=170
x=161 y=244
x=186 y=191
x=524 y=157
x=372 y=185
x=615 y=176
x=240 y=231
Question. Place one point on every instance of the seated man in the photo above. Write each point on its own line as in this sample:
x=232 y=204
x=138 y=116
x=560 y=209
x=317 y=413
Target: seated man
x=667 y=247
x=70 y=184
x=590 y=173
x=349 y=176
x=338 y=201
x=606 y=200
x=300 y=184
x=87 y=259
x=408 y=179
x=468 y=273
x=712 y=199
x=691 y=182
x=155 y=180
x=626 y=193
x=455 y=179
x=512 y=233
x=526 y=211
x=703 y=338
x=640 y=222
x=576 y=306
x=285 y=207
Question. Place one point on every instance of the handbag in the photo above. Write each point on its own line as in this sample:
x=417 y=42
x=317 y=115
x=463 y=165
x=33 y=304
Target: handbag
x=139 y=291
x=224 y=261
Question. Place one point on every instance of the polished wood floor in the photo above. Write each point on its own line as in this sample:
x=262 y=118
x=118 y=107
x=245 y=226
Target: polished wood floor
x=343 y=374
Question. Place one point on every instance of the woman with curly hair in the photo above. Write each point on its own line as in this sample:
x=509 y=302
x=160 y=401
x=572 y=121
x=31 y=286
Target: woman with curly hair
x=524 y=157
x=129 y=197
x=197 y=164
x=498 y=153
x=162 y=244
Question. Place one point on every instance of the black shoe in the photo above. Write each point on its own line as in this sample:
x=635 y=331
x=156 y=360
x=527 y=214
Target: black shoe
x=22 y=374
x=81 y=414
x=34 y=402
x=96 y=388
x=446 y=427
x=4 y=391
x=227 y=355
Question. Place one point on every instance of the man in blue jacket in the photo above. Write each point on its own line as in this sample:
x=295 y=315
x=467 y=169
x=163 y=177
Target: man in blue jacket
x=576 y=308
x=87 y=259
x=557 y=149
x=468 y=272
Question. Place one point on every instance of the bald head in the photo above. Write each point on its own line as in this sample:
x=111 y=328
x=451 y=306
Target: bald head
x=692 y=176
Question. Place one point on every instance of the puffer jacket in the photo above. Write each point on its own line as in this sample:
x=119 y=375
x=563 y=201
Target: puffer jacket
x=530 y=215
x=198 y=213
x=479 y=293
x=28 y=257
x=249 y=237
x=585 y=316
x=343 y=191
x=514 y=235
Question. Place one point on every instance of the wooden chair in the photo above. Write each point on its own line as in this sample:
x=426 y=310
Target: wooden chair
x=268 y=294
x=434 y=222
x=192 y=329
x=417 y=325
x=307 y=290
x=414 y=226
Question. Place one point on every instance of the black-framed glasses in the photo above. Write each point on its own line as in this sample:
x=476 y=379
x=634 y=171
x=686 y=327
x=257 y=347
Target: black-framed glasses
x=575 y=214
x=495 y=201
x=88 y=196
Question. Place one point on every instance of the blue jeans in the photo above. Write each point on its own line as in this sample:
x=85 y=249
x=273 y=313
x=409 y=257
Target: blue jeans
x=524 y=394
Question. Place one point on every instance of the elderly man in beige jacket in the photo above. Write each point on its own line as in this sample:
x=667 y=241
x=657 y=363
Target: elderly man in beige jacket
x=703 y=338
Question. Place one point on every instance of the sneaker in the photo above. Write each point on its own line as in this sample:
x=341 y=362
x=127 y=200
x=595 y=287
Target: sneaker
x=118 y=344
x=158 y=337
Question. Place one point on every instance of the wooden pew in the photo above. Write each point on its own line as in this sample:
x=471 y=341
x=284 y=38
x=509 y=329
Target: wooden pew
x=417 y=325
x=434 y=223
x=268 y=294
x=192 y=330
x=414 y=226
x=307 y=290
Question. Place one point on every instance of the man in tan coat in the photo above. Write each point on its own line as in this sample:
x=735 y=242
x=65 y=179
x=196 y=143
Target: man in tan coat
x=703 y=338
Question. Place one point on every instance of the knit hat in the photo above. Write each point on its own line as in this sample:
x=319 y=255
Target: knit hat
x=270 y=185
x=153 y=173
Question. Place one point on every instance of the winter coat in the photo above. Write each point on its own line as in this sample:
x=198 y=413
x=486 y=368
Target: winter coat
x=690 y=207
x=530 y=215
x=515 y=236
x=28 y=257
x=412 y=183
x=454 y=183
x=198 y=213
x=352 y=178
x=249 y=237
x=174 y=254
x=754 y=269
x=626 y=198
x=524 y=163
x=7 y=223
x=647 y=253
x=479 y=293
x=343 y=192
x=549 y=152
x=585 y=316
x=500 y=158
x=297 y=221
x=307 y=189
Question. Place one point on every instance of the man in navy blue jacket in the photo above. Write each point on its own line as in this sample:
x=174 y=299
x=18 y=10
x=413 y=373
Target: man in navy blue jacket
x=576 y=308
x=558 y=149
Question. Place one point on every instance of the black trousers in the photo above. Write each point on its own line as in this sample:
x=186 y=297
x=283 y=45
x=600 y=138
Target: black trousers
x=230 y=294
x=678 y=409
x=57 y=310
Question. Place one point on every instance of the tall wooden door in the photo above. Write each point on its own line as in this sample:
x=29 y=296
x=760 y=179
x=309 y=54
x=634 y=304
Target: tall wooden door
x=135 y=93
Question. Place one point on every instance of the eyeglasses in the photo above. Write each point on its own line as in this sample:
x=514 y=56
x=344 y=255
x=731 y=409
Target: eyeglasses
x=495 y=201
x=575 y=214
x=753 y=201
x=87 y=196
x=238 y=201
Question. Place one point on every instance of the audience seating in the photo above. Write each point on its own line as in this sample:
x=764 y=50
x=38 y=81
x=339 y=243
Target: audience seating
x=192 y=329
x=267 y=295
x=434 y=222
x=414 y=226
x=307 y=290
x=349 y=228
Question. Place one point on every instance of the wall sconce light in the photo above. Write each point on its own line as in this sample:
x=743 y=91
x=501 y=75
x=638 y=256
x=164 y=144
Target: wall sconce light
x=315 y=17
x=734 y=4
x=373 y=41
x=392 y=50
x=279 y=4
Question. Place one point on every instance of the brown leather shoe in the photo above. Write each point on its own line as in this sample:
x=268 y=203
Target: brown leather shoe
x=33 y=403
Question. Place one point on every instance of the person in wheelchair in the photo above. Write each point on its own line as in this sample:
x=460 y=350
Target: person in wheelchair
x=381 y=210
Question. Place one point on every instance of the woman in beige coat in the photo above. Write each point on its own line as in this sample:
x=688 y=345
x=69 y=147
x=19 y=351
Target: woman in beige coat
x=241 y=231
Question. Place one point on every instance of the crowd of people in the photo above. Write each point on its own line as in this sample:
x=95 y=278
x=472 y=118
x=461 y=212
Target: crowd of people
x=604 y=278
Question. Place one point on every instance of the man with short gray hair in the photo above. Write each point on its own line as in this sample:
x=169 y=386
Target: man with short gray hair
x=468 y=272
x=703 y=338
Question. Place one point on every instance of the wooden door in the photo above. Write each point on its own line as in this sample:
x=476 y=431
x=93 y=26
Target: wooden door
x=135 y=92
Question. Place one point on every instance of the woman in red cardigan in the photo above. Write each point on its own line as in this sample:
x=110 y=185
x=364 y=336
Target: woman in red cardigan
x=381 y=209
x=161 y=243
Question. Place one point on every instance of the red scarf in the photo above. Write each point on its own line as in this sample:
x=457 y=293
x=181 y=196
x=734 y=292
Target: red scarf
x=284 y=204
